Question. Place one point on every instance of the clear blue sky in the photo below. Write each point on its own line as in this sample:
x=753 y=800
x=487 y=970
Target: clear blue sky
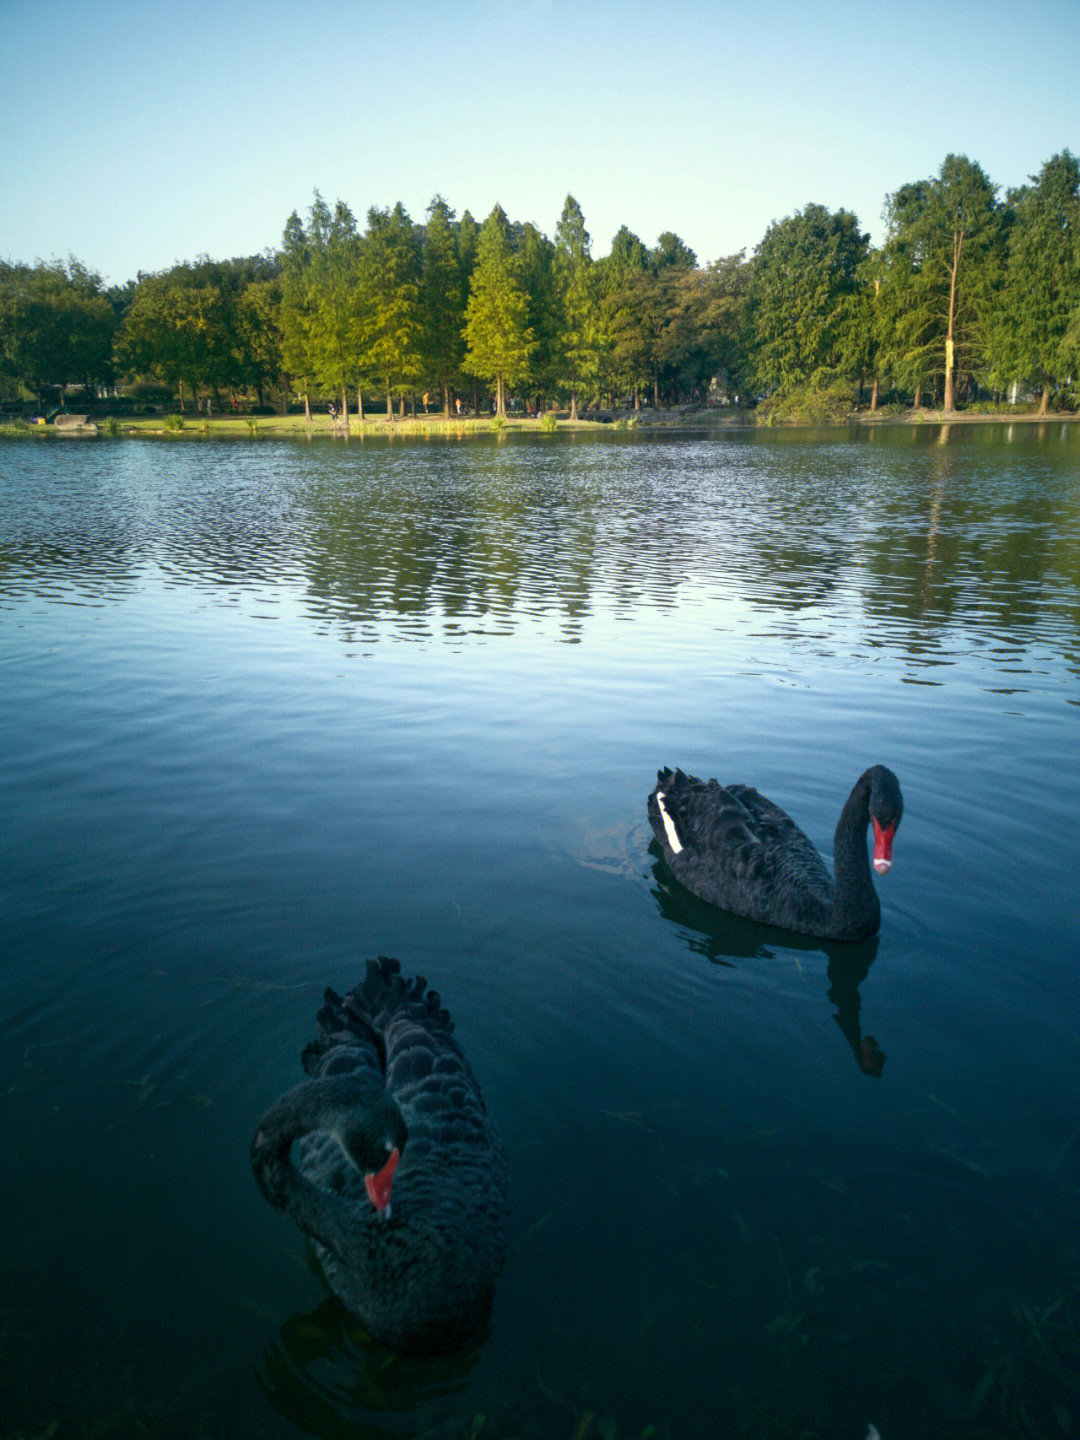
x=136 y=135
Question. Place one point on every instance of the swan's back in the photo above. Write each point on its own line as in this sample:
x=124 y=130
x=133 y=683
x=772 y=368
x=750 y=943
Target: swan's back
x=736 y=849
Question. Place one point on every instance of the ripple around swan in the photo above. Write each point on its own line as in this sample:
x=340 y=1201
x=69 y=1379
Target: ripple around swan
x=269 y=708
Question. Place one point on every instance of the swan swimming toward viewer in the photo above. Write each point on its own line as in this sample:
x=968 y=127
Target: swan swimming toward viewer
x=387 y=1158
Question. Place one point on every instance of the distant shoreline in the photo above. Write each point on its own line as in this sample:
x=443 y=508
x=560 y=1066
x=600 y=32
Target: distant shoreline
x=240 y=427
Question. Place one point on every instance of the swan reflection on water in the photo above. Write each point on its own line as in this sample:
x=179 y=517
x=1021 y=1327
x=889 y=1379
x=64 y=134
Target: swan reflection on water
x=324 y=1374
x=724 y=939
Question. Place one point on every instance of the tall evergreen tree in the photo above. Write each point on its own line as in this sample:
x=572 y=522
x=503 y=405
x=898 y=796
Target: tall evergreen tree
x=298 y=312
x=339 y=302
x=497 y=333
x=578 y=295
x=1039 y=307
x=392 y=326
x=442 y=301
x=804 y=271
x=947 y=240
x=534 y=258
x=624 y=283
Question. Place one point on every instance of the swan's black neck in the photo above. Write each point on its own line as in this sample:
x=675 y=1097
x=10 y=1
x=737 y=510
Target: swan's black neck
x=325 y=1104
x=856 y=908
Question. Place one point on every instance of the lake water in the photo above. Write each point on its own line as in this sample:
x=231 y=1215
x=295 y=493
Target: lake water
x=268 y=708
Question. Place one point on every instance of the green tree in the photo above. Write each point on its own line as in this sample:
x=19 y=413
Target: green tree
x=391 y=326
x=499 y=340
x=945 y=239
x=702 y=339
x=638 y=313
x=803 y=273
x=298 y=313
x=174 y=330
x=905 y=310
x=578 y=299
x=340 y=317
x=442 y=301
x=534 y=257
x=1039 y=306
x=56 y=326
x=672 y=253
x=624 y=285
x=627 y=256
x=257 y=335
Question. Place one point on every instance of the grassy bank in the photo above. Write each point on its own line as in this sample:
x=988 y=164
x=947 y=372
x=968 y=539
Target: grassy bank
x=228 y=426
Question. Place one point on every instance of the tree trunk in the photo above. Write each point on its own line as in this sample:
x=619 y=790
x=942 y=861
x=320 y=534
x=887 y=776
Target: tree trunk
x=446 y=402
x=345 y=408
x=918 y=397
x=573 y=405
x=307 y=408
x=360 y=403
x=500 y=404
x=389 y=406
x=1044 y=400
x=874 y=397
x=950 y=335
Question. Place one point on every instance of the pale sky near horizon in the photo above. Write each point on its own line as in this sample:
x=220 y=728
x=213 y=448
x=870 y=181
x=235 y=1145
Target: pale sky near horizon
x=135 y=136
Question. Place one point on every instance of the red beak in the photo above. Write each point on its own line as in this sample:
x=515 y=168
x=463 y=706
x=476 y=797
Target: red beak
x=883 y=846
x=379 y=1184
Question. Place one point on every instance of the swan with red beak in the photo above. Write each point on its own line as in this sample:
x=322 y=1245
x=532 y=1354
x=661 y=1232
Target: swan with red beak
x=730 y=846
x=387 y=1159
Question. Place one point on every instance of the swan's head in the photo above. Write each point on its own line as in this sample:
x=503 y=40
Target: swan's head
x=374 y=1141
x=886 y=807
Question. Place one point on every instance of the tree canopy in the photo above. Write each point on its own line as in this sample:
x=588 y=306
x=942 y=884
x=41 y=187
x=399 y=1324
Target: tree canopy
x=499 y=338
x=968 y=294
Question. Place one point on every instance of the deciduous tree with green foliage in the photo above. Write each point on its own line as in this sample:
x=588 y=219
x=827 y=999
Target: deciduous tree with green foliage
x=56 y=326
x=174 y=331
x=499 y=340
x=702 y=340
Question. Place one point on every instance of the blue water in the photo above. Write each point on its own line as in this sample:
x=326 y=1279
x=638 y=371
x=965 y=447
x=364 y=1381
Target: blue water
x=267 y=708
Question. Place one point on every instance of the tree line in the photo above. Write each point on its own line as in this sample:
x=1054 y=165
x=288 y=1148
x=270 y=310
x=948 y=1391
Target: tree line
x=970 y=294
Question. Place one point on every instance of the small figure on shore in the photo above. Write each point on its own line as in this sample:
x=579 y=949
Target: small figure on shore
x=332 y=408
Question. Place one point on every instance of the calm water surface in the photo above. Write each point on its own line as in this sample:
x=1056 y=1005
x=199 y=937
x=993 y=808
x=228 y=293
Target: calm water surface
x=268 y=708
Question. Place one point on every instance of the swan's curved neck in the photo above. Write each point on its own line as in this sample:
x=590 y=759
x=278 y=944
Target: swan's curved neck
x=323 y=1104
x=855 y=903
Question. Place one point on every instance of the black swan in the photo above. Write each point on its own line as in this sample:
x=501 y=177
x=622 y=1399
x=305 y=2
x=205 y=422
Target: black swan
x=388 y=1160
x=733 y=848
